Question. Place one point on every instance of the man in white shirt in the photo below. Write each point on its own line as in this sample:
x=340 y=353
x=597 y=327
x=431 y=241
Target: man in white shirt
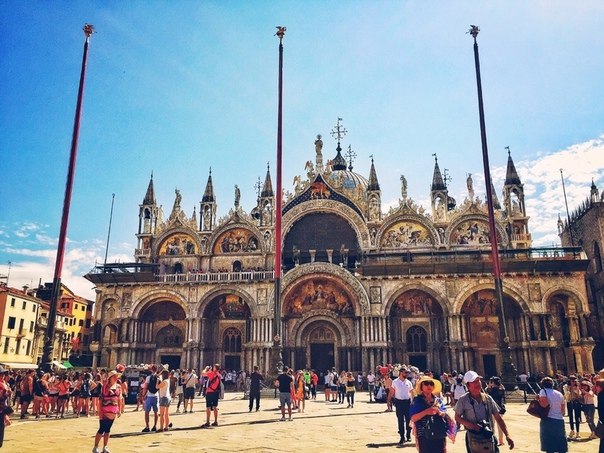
x=401 y=393
x=371 y=385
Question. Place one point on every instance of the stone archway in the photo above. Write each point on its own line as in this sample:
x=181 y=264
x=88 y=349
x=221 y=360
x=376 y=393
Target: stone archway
x=226 y=327
x=413 y=311
x=321 y=339
x=481 y=329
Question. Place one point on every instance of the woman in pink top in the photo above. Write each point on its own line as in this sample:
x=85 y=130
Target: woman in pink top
x=109 y=410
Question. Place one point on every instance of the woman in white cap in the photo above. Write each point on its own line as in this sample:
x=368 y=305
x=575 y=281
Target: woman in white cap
x=109 y=410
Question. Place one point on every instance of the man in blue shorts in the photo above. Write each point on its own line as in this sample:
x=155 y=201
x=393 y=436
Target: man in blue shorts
x=285 y=383
x=151 y=393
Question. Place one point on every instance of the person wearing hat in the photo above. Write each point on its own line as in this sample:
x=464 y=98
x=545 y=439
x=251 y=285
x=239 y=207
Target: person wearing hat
x=5 y=407
x=401 y=394
x=109 y=409
x=588 y=406
x=572 y=395
x=476 y=411
x=425 y=409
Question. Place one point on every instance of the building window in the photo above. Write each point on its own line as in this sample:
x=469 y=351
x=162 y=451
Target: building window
x=18 y=346
x=232 y=340
x=24 y=305
x=31 y=326
x=11 y=322
x=21 y=321
x=33 y=308
x=6 y=345
x=83 y=308
x=12 y=302
x=81 y=323
x=28 y=349
x=416 y=339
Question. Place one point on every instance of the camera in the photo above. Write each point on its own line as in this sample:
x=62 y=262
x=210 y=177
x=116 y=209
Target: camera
x=485 y=431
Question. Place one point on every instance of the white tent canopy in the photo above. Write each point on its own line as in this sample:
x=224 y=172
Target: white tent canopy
x=20 y=366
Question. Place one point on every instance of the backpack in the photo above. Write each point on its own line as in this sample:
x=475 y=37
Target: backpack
x=152 y=387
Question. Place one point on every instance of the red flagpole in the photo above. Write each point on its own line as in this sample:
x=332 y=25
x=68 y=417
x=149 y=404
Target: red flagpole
x=47 y=357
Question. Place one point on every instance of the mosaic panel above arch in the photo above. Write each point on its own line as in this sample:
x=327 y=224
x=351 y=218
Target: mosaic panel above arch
x=484 y=303
x=178 y=244
x=227 y=306
x=406 y=233
x=318 y=294
x=472 y=232
x=236 y=240
x=415 y=303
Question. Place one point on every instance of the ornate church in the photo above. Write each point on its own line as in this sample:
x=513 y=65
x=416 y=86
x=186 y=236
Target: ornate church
x=360 y=286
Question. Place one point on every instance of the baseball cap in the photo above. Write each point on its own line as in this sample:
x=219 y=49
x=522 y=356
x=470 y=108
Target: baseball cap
x=471 y=376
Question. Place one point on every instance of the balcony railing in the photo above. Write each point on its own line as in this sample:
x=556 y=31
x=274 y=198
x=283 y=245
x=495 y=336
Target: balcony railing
x=211 y=277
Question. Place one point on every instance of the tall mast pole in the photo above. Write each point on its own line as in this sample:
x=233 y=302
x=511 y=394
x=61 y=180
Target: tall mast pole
x=277 y=357
x=47 y=354
x=108 y=232
x=509 y=371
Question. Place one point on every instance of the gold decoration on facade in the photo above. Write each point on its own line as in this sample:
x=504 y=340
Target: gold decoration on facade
x=236 y=240
x=319 y=294
x=405 y=234
x=178 y=244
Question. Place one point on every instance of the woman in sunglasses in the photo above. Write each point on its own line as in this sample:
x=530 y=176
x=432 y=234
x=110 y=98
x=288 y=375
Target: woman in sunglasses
x=429 y=417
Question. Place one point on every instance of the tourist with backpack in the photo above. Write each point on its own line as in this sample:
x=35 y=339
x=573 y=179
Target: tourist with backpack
x=151 y=394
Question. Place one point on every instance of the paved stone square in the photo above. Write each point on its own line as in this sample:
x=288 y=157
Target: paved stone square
x=322 y=427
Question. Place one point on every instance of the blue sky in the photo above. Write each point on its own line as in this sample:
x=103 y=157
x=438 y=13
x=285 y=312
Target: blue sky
x=177 y=87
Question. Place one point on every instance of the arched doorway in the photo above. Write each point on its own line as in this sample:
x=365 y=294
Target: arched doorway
x=417 y=330
x=232 y=348
x=320 y=301
x=417 y=347
x=321 y=347
x=166 y=330
x=225 y=329
x=169 y=341
x=481 y=316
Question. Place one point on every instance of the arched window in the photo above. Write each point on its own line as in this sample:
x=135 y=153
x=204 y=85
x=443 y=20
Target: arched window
x=232 y=340
x=178 y=268
x=597 y=258
x=237 y=266
x=417 y=339
x=169 y=337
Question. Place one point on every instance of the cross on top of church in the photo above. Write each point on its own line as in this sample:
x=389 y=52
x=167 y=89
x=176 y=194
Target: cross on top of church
x=446 y=177
x=350 y=154
x=339 y=131
x=258 y=186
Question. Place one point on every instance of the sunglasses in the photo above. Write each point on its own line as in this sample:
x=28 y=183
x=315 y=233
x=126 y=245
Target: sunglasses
x=428 y=383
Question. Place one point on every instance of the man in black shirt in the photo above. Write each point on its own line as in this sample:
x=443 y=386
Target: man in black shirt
x=255 y=380
x=285 y=382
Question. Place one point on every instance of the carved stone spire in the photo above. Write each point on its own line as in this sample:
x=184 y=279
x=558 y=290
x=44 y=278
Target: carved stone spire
x=150 y=195
x=373 y=180
x=208 y=195
x=511 y=175
x=267 y=189
x=437 y=178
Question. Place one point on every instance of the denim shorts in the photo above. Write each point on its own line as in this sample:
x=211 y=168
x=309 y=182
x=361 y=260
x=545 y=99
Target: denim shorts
x=151 y=403
x=285 y=398
x=164 y=401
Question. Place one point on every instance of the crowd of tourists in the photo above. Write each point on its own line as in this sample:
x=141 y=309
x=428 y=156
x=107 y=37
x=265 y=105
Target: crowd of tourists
x=419 y=399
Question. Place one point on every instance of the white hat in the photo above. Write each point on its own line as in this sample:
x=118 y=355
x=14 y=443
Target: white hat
x=471 y=376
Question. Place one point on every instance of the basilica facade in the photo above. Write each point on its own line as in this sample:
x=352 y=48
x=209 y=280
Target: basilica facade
x=360 y=286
